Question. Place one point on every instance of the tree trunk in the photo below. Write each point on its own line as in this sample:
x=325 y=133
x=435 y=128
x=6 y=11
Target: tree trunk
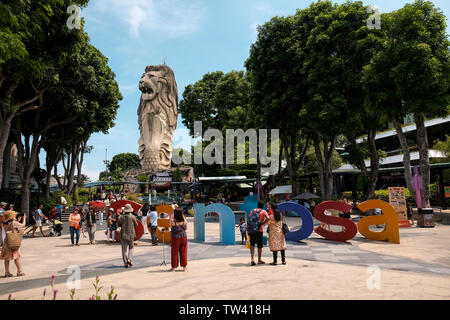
x=406 y=156
x=79 y=166
x=320 y=166
x=75 y=152
x=374 y=163
x=51 y=160
x=25 y=197
x=55 y=175
x=324 y=162
x=27 y=159
x=422 y=143
x=5 y=128
x=289 y=166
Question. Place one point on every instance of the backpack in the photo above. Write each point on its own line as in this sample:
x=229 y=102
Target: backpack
x=253 y=223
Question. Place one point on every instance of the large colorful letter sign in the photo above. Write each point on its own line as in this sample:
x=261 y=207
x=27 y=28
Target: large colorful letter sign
x=350 y=227
x=389 y=217
x=226 y=220
x=307 y=220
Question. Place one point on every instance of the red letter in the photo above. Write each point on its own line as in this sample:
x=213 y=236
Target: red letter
x=350 y=226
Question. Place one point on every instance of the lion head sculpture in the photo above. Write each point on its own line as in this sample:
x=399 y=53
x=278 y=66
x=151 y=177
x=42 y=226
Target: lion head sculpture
x=157 y=117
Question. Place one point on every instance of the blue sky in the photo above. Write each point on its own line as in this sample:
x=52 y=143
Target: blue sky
x=192 y=36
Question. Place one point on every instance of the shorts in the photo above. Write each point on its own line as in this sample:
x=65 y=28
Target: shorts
x=38 y=223
x=256 y=238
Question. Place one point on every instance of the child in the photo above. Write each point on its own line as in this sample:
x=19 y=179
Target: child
x=243 y=228
x=111 y=227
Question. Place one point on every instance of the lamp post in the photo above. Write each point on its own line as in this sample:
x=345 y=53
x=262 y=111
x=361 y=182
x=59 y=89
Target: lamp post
x=106 y=162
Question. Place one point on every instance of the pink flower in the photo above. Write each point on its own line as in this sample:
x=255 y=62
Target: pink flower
x=45 y=291
x=115 y=297
x=54 y=294
x=10 y=297
x=53 y=280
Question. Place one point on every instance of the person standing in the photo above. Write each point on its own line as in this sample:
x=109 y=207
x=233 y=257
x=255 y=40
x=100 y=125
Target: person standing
x=91 y=219
x=277 y=241
x=75 y=226
x=59 y=210
x=179 y=240
x=127 y=222
x=144 y=212
x=409 y=212
x=256 y=220
x=153 y=224
x=111 y=225
x=2 y=232
x=243 y=229
x=38 y=217
x=10 y=223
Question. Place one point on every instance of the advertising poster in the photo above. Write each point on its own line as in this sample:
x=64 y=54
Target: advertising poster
x=397 y=199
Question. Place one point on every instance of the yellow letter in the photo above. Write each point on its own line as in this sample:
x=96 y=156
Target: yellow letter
x=389 y=217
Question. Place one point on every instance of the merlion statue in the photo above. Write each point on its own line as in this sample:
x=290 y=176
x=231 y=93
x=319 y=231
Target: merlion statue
x=157 y=117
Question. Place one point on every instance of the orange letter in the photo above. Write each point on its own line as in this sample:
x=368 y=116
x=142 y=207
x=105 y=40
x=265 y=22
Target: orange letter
x=389 y=217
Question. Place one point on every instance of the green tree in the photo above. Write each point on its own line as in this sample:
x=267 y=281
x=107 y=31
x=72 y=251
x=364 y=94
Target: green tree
x=410 y=74
x=124 y=161
x=83 y=96
x=33 y=39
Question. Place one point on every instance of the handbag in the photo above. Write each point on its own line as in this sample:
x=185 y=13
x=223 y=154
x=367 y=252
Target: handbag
x=285 y=228
x=14 y=239
x=77 y=226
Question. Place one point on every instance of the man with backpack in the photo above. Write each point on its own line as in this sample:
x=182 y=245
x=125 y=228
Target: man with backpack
x=256 y=220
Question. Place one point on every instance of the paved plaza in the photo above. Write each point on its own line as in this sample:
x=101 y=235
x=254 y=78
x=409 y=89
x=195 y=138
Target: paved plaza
x=418 y=268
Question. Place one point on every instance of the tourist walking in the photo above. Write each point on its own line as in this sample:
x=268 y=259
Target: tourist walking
x=91 y=219
x=9 y=223
x=38 y=218
x=256 y=220
x=75 y=226
x=277 y=241
x=127 y=222
x=153 y=224
x=179 y=240
x=111 y=225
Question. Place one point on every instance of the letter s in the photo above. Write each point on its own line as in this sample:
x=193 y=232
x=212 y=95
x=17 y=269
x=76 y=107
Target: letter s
x=350 y=226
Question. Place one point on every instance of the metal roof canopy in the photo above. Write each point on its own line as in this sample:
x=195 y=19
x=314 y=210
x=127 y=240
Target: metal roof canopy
x=444 y=165
x=281 y=190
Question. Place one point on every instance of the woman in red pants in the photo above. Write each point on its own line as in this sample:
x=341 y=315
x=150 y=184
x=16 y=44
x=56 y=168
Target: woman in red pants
x=179 y=240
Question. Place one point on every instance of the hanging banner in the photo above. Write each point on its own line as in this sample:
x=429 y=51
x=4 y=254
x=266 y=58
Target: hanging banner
x=397 y=199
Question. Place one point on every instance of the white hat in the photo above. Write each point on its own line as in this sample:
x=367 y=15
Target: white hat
x=128 y=208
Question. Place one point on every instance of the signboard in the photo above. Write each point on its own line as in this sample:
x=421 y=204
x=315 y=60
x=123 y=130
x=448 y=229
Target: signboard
x=397 y=199
x=447 y=192
x=162 y=177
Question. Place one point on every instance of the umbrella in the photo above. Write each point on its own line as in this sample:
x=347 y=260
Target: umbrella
x=306 y=196
x=96 y=204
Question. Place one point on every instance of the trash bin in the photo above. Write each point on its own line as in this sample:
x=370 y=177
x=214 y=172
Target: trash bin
x=425 y=218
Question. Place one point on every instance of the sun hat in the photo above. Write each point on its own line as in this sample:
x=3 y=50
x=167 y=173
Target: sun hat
x=128 y=208
x=3 y=204
x=8 y=215
x=111 y=209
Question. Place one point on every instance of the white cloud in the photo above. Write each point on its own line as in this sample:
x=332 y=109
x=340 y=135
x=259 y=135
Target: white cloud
x=169 y=17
